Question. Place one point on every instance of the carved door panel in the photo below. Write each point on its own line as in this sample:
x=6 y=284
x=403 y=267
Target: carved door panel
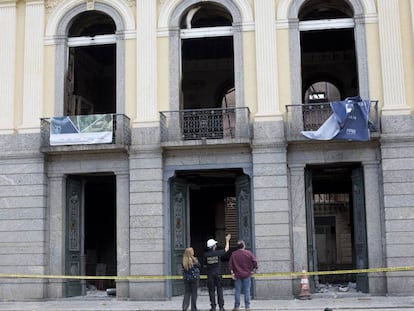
x=360 y=236
x=74 y=244
x=179 y=230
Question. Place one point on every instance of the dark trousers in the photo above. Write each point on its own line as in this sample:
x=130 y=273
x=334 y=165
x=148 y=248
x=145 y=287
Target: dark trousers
x=214 y=282
x=190 y=291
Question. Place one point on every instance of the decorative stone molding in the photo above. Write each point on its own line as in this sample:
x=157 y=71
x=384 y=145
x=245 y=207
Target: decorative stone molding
x=50 y=5
x=60 y=8
x=167 y=7
x=365 y=8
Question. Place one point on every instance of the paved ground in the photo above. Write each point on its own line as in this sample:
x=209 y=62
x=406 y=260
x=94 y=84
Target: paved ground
x=335 y=301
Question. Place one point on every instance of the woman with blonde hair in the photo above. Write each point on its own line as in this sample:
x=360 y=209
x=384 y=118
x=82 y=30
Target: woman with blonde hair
x=191 y=276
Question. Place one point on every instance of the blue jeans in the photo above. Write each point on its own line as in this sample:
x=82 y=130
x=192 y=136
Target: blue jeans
x=238 y=285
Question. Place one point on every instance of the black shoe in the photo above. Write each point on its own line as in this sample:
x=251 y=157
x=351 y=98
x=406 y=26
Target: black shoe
x=222 y=309
x=213 y=309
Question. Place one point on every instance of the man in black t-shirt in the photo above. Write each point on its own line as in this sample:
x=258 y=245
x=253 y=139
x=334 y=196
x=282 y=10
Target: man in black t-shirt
x=213 y=264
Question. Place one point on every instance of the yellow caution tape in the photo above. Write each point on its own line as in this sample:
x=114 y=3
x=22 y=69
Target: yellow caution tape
x=179 y=277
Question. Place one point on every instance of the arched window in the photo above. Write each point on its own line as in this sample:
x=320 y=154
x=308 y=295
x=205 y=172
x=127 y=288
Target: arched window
x=207 y=54
x=91 y=76
x=327 y=46
x=80 y=35
x=327 y=39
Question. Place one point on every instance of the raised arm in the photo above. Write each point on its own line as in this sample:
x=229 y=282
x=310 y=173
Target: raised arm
x=228 y=237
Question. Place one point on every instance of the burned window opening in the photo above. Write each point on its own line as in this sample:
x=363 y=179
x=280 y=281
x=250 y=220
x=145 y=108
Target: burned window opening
x=329 y=55
x=91 y=74
x=207 y=65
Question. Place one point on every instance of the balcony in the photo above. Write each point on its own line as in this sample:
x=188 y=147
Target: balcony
x=86 y=133
x=309 y=117
x=205 y=126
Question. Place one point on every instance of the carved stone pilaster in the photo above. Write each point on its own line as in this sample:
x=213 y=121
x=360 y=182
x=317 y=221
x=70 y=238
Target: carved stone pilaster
x=7 y=64
x=391 y=57
x=146 y=61
x=33 y=66
x=266 y=58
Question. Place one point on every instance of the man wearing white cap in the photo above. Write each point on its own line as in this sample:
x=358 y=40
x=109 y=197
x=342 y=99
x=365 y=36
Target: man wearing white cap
x=214 y=278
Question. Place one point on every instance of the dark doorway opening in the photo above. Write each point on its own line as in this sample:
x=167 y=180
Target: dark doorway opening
x=213 y=214
x=208 y=204
x=100 y=229
x=91 y=232
x=336 y=221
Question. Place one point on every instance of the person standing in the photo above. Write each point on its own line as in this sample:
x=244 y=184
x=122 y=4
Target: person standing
x=191 y=277
x=214 y=277
x=242 y=265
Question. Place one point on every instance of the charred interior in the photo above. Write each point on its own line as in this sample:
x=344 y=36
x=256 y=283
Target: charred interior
x=333 y=223
x=91 y=75
x=213 y=211
x=207 y=61
x=100 y=229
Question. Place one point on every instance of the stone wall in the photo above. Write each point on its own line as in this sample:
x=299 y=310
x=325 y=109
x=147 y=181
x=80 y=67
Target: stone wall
x=23 y=216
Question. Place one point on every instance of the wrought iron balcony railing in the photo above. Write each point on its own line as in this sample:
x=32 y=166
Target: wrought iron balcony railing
x=212 y=123
x=85 y=130
x=309 y=117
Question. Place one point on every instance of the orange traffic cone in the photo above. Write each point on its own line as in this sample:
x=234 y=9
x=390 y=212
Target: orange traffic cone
x=304 y=287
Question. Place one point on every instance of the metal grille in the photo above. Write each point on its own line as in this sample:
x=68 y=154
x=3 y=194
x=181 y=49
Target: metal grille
x=202 y=124
x=194 y=124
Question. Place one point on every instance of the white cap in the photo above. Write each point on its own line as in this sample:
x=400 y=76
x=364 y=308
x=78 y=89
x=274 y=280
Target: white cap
x=211 y=243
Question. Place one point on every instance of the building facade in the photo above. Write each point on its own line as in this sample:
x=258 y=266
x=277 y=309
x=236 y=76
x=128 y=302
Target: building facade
x=132 y=129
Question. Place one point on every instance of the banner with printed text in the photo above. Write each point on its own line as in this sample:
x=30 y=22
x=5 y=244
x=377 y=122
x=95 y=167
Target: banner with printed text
x=83 y=129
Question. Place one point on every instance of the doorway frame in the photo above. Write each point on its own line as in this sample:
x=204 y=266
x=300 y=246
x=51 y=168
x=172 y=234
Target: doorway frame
x=169 y=173
x=370 y=165
x=357 y=214
x=58 y=170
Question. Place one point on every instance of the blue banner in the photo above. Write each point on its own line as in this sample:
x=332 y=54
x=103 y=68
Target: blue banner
x=349 y=121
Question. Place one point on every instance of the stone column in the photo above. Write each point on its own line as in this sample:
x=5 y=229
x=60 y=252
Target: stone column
x=122 y=225
x=298 y=219
x=272 y=220
x=147 y=227
x=56 y=220
x=266 y=58
x=7 y=64
x=33 y=66
x=375 y=224
x=146 y=61
x=392 y=58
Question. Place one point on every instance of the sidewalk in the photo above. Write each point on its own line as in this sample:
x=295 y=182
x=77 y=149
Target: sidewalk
x=318 y=302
